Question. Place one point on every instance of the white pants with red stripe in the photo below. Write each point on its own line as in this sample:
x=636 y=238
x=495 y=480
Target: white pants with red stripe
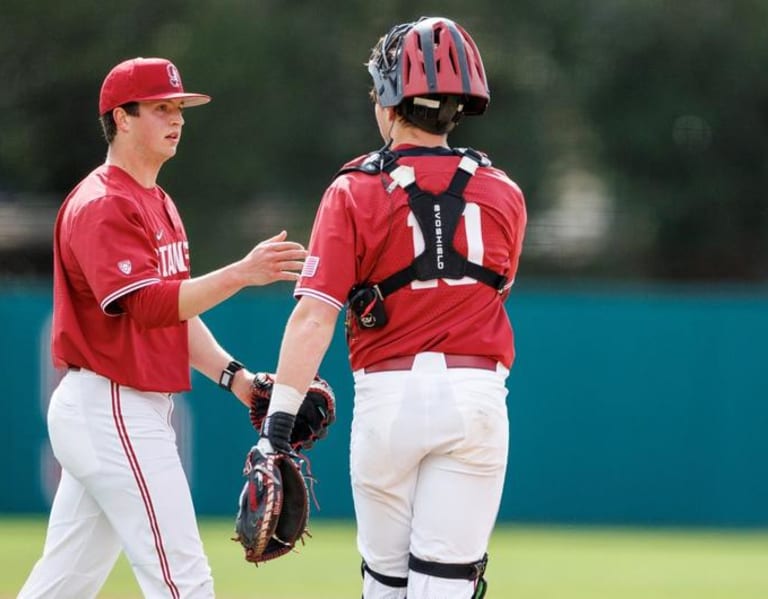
x=122 y=488
x=428 y=459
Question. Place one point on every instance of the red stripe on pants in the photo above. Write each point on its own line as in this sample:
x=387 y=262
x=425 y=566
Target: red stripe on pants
x=122 y=431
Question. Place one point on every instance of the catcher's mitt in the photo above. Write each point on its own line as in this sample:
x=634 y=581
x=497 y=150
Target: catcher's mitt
x=274 y=508
x=316 y=413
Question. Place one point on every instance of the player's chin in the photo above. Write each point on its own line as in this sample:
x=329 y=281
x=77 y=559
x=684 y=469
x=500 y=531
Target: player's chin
x=171 y=149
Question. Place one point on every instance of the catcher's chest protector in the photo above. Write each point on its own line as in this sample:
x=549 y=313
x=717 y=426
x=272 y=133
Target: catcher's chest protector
x=438 y=216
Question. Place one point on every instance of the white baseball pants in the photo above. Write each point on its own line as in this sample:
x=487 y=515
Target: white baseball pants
x=122 y=487
x=428 y=458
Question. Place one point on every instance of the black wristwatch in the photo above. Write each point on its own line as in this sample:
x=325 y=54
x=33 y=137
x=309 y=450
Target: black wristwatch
x=228 y=374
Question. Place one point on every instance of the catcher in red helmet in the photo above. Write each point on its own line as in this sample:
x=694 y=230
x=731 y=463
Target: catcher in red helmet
x=433 y=59
x=419 y=244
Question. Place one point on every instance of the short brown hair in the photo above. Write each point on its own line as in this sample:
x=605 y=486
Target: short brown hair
x=437 y=120
x=108 y=125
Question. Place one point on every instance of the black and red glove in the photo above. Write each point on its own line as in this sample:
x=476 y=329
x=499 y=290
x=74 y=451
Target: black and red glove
x=315 y=415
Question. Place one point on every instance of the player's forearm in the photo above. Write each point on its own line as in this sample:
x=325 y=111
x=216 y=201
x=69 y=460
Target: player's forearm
x=200 y=294
x=209 y=358
x=274 y=259
x=307 y=336
x=205 y=354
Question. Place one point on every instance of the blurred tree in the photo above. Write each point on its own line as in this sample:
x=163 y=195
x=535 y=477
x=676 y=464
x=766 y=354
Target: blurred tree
x=680 y=107
x=636 y=128
x=54 y=58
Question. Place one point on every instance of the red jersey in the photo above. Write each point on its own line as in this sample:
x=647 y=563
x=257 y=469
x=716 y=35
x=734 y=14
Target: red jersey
x=365 y=231
x=112 y=237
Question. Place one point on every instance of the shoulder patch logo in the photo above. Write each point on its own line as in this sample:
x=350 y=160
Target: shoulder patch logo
x=125 y=266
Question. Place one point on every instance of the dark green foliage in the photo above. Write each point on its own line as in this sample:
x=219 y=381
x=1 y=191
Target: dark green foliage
x=636 y=128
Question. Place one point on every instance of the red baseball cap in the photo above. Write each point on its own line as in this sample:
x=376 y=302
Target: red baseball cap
x=145 y=79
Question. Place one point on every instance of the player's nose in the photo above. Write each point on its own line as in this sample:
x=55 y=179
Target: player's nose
x=177 y=114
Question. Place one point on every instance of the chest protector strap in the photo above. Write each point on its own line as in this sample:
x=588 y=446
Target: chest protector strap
x=438 y=217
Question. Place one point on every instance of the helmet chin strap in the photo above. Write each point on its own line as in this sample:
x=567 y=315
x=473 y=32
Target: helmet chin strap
x=388 y=138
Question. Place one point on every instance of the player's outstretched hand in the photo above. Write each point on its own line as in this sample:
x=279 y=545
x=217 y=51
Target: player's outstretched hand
x=274 y=259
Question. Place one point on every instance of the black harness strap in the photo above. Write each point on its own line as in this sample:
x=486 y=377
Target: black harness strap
x=474 y=571
x=438 y=217
x=390 y=581
x=381 y=160
x=471 y=571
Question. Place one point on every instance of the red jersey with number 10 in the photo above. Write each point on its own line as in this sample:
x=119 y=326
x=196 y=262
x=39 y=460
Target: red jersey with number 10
x=365 y=231
x=112 y=237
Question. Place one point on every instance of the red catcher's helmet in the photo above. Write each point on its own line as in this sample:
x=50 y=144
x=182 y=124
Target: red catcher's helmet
x=433 y=55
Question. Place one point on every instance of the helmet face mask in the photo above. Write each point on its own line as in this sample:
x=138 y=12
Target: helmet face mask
x=427 y=58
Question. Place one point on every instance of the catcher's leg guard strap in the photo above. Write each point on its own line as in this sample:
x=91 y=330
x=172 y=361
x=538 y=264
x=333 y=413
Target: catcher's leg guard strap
x=390 y=581
x=472 y=571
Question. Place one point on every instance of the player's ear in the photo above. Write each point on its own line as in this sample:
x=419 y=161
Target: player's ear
x=121 y=119
x=390 y=114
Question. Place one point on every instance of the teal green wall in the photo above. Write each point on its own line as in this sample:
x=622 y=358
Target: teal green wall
x=629 y=406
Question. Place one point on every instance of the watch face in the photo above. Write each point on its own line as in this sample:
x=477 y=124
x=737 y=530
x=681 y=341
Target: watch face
x=228 y=374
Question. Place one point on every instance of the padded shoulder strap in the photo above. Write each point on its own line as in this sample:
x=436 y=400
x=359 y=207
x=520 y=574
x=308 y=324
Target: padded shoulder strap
x=479 y=157
x=373 y=164
x=386 y=160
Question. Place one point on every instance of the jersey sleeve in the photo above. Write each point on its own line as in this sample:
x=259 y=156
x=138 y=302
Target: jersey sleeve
x=154 y=306
x=518 y=220
x=329 y=269
x=112 y=245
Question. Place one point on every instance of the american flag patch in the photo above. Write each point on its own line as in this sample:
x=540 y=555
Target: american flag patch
x=310 y=266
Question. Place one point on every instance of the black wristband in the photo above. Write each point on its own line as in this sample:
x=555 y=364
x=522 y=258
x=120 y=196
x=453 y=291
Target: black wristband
x=278 y=427
x=228 y=374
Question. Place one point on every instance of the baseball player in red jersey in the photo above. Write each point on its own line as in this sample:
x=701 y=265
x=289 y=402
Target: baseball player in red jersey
x=126 y=327
x=421 y=242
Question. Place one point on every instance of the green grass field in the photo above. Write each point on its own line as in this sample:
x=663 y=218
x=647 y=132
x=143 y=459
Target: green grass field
x=525 y=563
